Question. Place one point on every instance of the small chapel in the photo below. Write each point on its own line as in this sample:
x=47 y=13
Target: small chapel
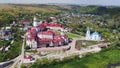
x=95 y=36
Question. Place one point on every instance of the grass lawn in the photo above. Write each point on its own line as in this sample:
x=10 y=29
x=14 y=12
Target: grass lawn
x=72 y=35
x=27 y=8
x=92 y=42
x=117 y=67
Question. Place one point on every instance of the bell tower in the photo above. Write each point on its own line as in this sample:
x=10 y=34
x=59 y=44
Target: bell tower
x=88 y=37
x=35 y=21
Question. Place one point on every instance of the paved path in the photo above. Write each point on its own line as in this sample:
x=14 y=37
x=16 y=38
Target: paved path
x=73 y=45
x=22 y=54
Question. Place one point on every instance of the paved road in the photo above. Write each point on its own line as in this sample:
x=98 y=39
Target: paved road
x=22 y=54
x=73 y=45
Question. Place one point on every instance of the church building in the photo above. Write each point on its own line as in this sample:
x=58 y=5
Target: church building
x=95 y=36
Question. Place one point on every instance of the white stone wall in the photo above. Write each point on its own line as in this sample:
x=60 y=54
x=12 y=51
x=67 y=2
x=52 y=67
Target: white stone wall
x=45 y=36
x=32 y=43
x=96 y=37
x=55 y=28
x=88 y=37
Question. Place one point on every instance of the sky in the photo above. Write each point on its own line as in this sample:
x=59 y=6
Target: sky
x=83 y=2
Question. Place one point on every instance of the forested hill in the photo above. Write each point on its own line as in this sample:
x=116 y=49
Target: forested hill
x=111 y=11
x=100 y=10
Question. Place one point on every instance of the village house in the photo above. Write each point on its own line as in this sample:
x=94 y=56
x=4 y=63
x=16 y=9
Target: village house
x=25 y=22
x=5 y=33
x=29 y=59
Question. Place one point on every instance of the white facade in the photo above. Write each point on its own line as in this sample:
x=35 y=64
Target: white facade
x=35 y=22
x=88 y=37
x=40 y=22
x=51 y=43
x=94 y=36
x=55 y=28
x=45 y=36
x=32 y=43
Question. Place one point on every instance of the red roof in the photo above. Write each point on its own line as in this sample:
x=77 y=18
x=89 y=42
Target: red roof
x=47 y=40
x=32 y=31
x=42 y=26
x=30 y=37
x=44 y=40
x=28 y=57
x=58 y=37
x=49 y=32
x=34 y=28
x=51 y=25
x=55 y=25
x=46 y=21
x=31 y=34
x=25 y=21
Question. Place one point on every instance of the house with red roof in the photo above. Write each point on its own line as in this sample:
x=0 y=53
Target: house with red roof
x=26 y=22
x=55 y=26
x=29 y=59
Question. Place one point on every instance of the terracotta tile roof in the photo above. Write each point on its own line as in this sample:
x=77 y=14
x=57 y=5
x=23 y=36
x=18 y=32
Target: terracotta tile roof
x=25 y=21
x=51 y=25
x=44 y=40
x=28 y=57
x=49 y=32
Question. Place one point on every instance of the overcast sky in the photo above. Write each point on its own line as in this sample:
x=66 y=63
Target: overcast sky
x=86 y=2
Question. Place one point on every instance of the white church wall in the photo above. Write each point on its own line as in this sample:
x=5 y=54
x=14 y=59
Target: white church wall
x=94 y=37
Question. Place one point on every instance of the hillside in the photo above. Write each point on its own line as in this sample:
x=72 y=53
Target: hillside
x=22 y=8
